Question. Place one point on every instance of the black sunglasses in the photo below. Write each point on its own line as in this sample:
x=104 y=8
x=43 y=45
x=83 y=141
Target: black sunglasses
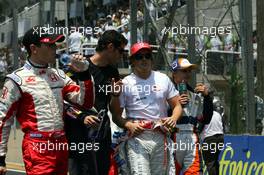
x=147 y=56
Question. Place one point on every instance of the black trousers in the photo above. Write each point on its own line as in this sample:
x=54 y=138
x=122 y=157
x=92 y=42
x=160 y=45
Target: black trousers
x=78 y=166
x=210 y=156
x=93 y=162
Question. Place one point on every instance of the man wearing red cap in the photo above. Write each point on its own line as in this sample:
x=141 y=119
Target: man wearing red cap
x=144 y=97
x=35 y=95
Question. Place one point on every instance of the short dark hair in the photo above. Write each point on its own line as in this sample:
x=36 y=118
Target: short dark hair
x=30 y=38
x=110 y=36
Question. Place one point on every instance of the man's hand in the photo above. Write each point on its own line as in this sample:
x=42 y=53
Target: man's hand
x=169 y=122
x=92 y=121
x=116 y=87
x=201 y=88
x=183 y=99
x=78 y=63
x=134 y=128
x=2 y=170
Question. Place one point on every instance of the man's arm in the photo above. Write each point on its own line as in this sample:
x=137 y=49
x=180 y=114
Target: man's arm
x=87 y=117
x=208 y=109
x=207 y=104
x=176 y=106
x=9 y=102
x=116 y=110
x=176 y=112
x=173 y=100
x=115 y=105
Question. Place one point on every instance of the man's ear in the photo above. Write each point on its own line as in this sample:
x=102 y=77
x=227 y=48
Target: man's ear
x=33 y=48
x=110 y=46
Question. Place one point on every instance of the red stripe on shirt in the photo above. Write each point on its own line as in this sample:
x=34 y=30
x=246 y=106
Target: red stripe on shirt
x=69 y=88
x=26 y=115
x=89 y=94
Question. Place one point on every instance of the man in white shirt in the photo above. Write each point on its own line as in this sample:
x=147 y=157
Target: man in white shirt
x=216 y=43
x=127 y=35
x=213 y=137
x=145 y=94
x=125 y=19
x=200 y=42
x=75 y=41
x=215 y=62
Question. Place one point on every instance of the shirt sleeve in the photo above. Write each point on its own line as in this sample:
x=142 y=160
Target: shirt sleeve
x=9 y=103
x=172 y=92
x=122 y=99
x=81 y=95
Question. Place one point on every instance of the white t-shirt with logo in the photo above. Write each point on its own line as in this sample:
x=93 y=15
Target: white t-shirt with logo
x=214 y=127
x=147 y=98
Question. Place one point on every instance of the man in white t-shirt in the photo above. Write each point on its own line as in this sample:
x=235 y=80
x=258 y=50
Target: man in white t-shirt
x=145 y=94
x=75 y=41
x=127 y=35
x=213 y=135
x=125 y=19
x=216 y=43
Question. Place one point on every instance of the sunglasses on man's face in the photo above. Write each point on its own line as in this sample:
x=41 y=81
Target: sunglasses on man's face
x=147 y=56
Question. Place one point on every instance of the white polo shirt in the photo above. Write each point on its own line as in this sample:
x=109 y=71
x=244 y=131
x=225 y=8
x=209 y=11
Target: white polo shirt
x=147 y=98
x=214 y=127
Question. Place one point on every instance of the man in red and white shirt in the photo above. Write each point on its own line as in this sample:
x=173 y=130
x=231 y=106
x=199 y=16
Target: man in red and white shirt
x=35 y=95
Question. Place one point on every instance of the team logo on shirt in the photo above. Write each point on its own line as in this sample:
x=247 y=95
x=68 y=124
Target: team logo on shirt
x=4 y=93
x=155 y=88
x=31 y=80
x=141 y=98
x=53 y=77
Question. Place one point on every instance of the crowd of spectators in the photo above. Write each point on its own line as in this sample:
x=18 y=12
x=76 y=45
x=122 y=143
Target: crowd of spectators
x=5 y=62
x=226 y=42
x=118 y=17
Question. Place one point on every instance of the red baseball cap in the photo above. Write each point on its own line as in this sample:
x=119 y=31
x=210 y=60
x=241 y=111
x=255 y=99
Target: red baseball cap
x=138 y=46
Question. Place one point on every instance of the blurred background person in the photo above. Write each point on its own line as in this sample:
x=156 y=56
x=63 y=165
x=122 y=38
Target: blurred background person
x=213 y=133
